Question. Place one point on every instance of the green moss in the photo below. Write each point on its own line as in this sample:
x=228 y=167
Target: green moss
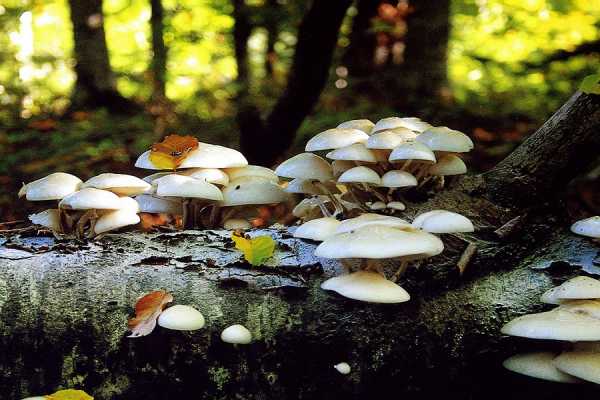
x=220 y=376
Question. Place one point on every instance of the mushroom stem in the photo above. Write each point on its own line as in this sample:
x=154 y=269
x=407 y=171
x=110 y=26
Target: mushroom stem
x=401 y=270
x=356 y=200
x=424 y=181
x=215 y=213
x=406 y=165
x=390 y=194
x=186 y=211
x=322 y=206
x=375 y=265
x=338 y=206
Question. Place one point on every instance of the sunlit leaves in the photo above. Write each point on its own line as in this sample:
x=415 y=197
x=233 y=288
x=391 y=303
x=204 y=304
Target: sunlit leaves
x=590 y=84
x=256 y=250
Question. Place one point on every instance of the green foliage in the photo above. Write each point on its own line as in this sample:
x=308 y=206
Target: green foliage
x=590 y=84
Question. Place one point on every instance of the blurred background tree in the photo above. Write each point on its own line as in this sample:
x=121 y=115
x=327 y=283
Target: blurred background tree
x=86 y=85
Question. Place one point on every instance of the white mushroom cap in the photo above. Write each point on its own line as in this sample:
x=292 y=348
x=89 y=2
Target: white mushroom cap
x=442 y=221
x=184 y=186
x=317 y=229
x=52 y=187
x=151 y=178
x=412 y=123
x=377 y=205
x=581 y=364
x=397 y=178
x=412 y=151
x=309 y=187
x=252 y=170
x=335 y=138
x=558 y=324
x=580 y=287
x=48 y=219
x=364 y=125
x=129 y=204
x=91 y=198
x=442 y=138
x=205 y=156
x=376 y=241
x=366 y=286
x=181 y=318
x=115 y=220
x=589 y=307
x=339 y=166
x=343 y=368
x=396 y=205
x=305 y=166
x=360 y=175
x=354 y=152
x=538 y=365
x=120 y=184
x=251 y=190
x=210 y=175
x=236 y=334
x=448 y=165
x=415 y=124
x=155 y=205
x=390 y=139
x=587 y=227
x=236 y=223
x=369 y=219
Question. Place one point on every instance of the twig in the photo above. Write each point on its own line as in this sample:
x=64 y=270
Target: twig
x=465 y=258
x=510 y=227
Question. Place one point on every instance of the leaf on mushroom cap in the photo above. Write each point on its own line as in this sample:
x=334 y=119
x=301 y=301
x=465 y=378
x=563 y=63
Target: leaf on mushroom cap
x=364 y=125
x=442 y=221
x=305 y=166
x=170 y=153
x=147 y=310
x=397 y=178
x=360 y=175
x=252 y=190
x=184 y=186
x=587 y=227
x=155 y=205
x=317 y=229
x=581 y=364
x=354 y=152
x=252 y=170
x=558 y=324
x=55 y=186
x=91 y=198
x=580 y=287
x=49 y=219
x=412 y=151
x=538 y=365
x=335 y=138
x=210 y=175
x=448 y=165
x=256 y=250
x=369 y=219
x=377 y=241
x=366 y=286
x=121 y=184
x=309 y=187
x=442 y=138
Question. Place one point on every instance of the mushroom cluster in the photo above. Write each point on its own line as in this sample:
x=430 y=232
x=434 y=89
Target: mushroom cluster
x=207 y=185
x=373 y=164
x=576 y=321
x=370 y=238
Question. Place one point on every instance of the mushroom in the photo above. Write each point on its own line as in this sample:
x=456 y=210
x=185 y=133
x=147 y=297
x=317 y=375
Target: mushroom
x=589 y=227
x=580 y=287
x=412 y=123
x=364 y=125
x=52 y=187
x=448 y=165
x=236 y=334
x=159 y=205
x=370 y=219
x=538 y=365
x=192 y=191
x=204 y=156
x=360 y=178
x=252 y=170
x=48 y=219
x=396 y=205
x=335 y=138
x=356 y=152
x=343 y=368
x=580 y=364
x=444 y=139
x=120 y=184
x=124 y=216
x=90 y=200
x=366 y=286
x=181 y=318
x=396 y=179
x=442 y=221
x=317 y=229
x=210 y=175
x=416 y=157
x=376 y=206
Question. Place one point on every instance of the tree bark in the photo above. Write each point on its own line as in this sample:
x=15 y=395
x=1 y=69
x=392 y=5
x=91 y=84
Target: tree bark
x=359 y=58
x=271 y=24
x=95 y=85
x=158 y=64
x=264 y=141
x=242 y=29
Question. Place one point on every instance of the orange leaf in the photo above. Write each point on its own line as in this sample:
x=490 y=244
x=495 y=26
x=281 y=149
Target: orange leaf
x=171 y=152
x=147 y=310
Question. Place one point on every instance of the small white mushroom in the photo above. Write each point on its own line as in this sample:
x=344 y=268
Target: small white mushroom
x=396 y=205
x=120 y=184
x=364 y=125
x=442 y=221
x=377 y=205
x=125 y=216
x=155 y=205
x=205 y=156
x=186 y=187
x=581 y=364
x=390 y=139
x=412 y=151
x=251 y=190
x=369 y=219
x=305 y=166
x=360 y=175
x=412 y=123
x=442 y=138
x=317 y=229
x=580 y=287
x=252 y=170
x=236 y=334
x=181 y=318
x=55 y=186
x=366 y=286
x=398 y=179
x=589 y=227
x=448 y=165
x=335 y=138
x=210 y=175
x=538 y=365
x=49 y=219
x=343 y=368
x=90 y=199
x=354 y=152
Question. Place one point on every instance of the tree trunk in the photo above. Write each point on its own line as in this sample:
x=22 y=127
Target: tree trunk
x=359 y=58
x=158 y=64
x=242 y=29
x=95 y=85
x=272 y=26
x=264 y=141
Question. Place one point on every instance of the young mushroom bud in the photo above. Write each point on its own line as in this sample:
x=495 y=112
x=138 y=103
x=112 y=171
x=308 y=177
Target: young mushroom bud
x=181 y=318
x=236 y=334
x=335 y=139
x=317 y=229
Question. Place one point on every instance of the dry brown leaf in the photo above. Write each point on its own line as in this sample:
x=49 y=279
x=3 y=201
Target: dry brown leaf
x=147 y=310
x=171 y=152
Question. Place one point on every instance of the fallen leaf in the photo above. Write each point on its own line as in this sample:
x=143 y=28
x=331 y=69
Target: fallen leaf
x=171 y=152
x=147 y=310
x=256 y=250
x=69 y=394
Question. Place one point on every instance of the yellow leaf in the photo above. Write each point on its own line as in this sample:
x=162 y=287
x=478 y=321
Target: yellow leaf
x=70 y=394
x=171 y=152
x=255 y=250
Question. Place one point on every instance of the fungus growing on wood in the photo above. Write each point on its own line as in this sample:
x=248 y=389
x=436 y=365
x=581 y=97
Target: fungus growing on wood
x=181 y=318
x=236 y=334
x=589 y=227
